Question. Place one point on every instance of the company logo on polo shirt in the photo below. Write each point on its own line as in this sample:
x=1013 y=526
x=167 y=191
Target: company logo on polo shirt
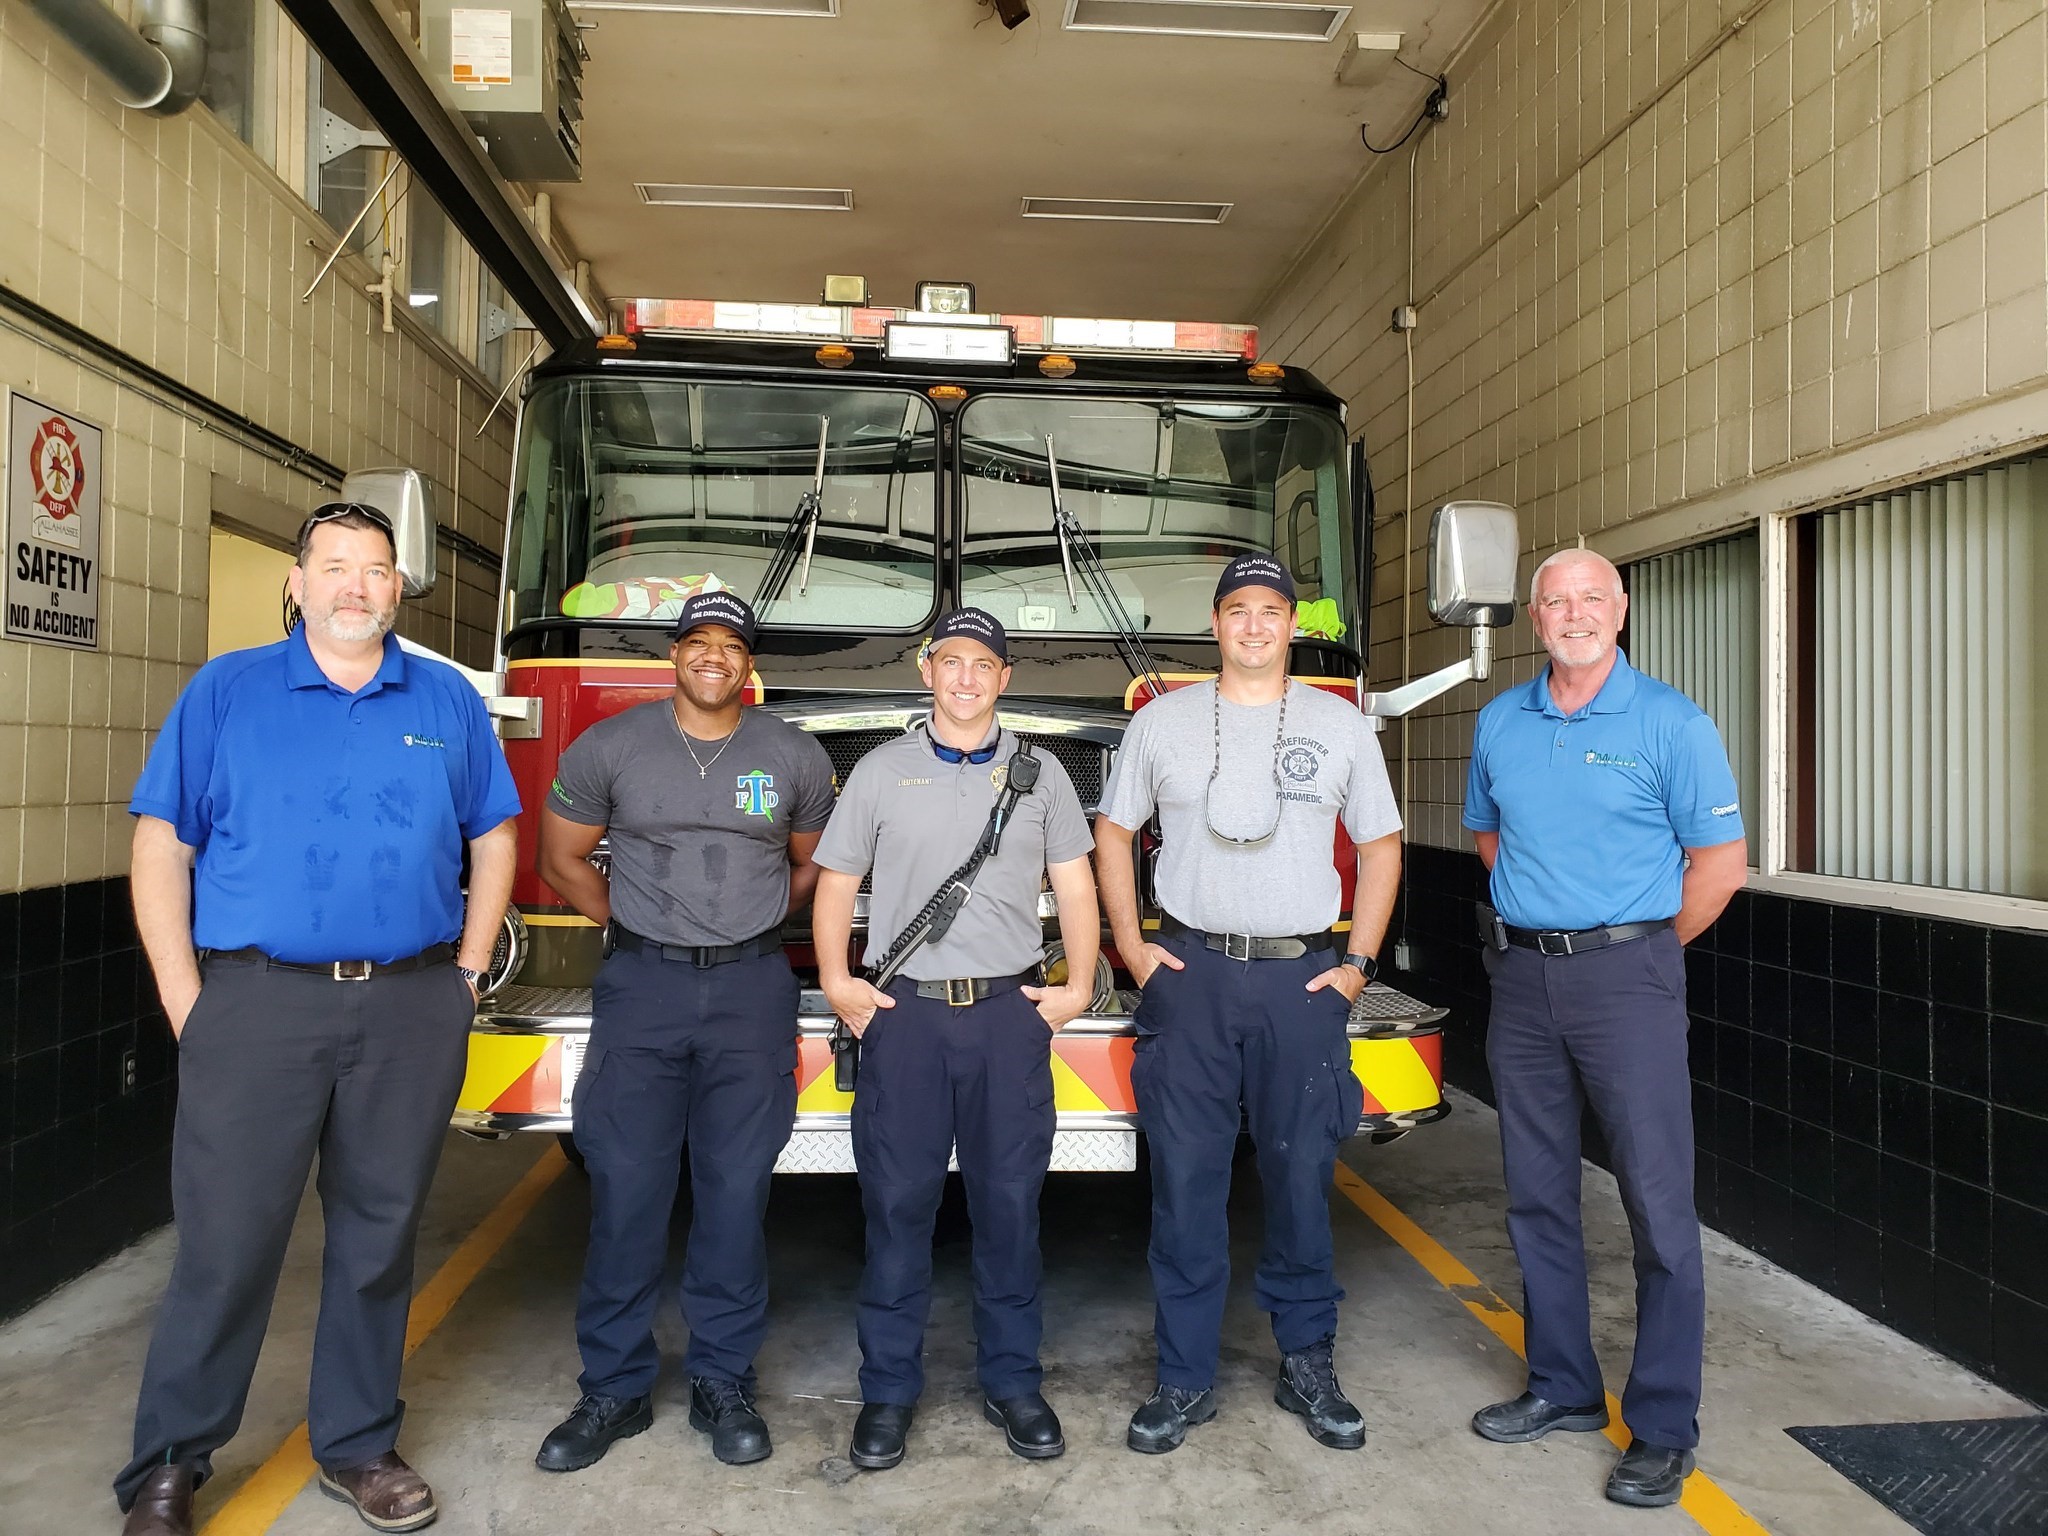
x=756 y=795
x=1726 y=810
x=1609 y=760
x=426 y=741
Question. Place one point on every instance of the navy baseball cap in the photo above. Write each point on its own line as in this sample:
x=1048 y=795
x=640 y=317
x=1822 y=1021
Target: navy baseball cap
x=720 y=607
x=1254 y=571
x=970 y=624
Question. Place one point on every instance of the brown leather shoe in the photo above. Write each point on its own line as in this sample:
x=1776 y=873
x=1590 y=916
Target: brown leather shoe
x=387 y=1493
x=163 y=1505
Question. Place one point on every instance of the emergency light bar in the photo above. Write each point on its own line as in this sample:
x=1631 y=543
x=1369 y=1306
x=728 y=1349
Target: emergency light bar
x=923 y=342
x=1027 y=333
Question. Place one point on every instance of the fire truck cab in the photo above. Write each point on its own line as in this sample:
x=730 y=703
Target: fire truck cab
x=855 y=471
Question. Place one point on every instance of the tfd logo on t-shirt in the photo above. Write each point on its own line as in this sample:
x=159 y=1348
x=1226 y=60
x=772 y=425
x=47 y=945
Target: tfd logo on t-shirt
x=757 y=796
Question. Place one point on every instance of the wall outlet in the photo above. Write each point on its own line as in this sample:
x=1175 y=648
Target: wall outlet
x=1404 y=955
x=128 y=1071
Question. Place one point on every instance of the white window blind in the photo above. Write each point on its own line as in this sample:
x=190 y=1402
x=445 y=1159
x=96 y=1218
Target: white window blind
x=1926 y=724
x=1693 y=623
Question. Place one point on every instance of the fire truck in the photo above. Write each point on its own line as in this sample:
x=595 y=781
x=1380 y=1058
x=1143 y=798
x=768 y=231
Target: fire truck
x=854 y=471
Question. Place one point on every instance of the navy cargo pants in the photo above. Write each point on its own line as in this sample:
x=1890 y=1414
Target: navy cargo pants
x=1222 y=1043
x=936 y=1080
x=1605 y=1028
x=681 y=1055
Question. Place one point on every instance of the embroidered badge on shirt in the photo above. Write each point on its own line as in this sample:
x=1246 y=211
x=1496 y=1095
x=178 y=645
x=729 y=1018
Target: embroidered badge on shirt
x=430 y=741
x=756 y=795
x=1609 y=760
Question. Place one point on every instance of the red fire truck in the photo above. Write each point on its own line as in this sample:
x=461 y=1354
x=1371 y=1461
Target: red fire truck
x=855 y=471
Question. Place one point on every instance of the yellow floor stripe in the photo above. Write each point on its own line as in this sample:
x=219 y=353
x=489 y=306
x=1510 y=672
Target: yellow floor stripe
x=1704 y=1499
x=258 y=1502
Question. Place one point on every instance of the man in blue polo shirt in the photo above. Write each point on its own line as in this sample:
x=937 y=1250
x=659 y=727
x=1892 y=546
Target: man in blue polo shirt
x=1603 y=805
x=299 y=835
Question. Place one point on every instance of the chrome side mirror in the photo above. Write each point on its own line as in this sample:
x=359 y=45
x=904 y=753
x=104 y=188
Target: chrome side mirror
x=1473 y=549
x=401 y=495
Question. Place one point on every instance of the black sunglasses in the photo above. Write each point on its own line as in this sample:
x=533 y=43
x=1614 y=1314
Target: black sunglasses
x=335 y=509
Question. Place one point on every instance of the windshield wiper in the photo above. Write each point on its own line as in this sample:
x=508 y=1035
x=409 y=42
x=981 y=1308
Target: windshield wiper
x=799 y=535
x=1077 y=552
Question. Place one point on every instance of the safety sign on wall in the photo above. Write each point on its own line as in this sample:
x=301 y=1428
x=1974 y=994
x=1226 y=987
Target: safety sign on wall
x=53 y=526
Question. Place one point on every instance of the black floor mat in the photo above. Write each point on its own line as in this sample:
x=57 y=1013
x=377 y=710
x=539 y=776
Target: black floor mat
x=1963 y=1477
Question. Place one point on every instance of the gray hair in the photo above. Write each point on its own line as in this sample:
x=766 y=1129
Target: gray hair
x=1574 y=555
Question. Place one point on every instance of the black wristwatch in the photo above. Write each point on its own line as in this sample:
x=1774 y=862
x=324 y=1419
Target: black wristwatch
x=1365 y=965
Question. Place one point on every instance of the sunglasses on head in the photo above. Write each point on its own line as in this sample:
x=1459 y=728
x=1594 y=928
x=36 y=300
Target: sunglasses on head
x=335 y=509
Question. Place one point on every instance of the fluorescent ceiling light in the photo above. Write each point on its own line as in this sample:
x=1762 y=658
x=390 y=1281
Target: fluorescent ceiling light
x=669 y=194
x=722 y=7
x=1272 y=20
x=1127 y=210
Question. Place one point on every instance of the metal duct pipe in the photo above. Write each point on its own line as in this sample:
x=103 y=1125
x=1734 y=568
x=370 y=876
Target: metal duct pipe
x=158 y=69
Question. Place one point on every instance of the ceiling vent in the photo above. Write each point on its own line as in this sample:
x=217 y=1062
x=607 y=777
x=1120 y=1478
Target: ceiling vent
x=671 y=194
x=1274 y=21
x=1125 y=210
x=718 y=7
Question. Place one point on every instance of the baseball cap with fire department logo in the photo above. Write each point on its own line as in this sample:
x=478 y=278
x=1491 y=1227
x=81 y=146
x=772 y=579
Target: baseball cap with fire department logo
x=969 y=624
x=1254 y=571
x=721 y=607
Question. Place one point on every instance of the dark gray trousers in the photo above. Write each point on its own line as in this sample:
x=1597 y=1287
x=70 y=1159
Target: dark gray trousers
x=273 y=1067
x=1607 y=1030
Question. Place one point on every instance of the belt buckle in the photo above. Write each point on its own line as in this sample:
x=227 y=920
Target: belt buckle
x=1237 y=946
x=1564 y=941
x=959 y=991
x=351 y=970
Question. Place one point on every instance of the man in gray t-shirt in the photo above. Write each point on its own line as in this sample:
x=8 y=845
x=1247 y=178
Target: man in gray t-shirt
x=956 y=1052
x=714 y=812
x=1244 y=999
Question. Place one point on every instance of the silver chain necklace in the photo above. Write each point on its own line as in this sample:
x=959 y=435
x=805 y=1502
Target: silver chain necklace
x=1216 y=767
x=703 y=767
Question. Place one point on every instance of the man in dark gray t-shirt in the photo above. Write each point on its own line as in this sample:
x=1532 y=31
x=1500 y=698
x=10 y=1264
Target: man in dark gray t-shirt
x=713 y=812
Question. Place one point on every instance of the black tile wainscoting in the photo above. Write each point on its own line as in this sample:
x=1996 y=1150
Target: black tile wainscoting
x=85 y=1152
x=1870 y=1096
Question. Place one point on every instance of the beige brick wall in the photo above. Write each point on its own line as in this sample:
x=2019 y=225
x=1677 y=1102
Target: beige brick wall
x=1820 y=254
x=168 y=237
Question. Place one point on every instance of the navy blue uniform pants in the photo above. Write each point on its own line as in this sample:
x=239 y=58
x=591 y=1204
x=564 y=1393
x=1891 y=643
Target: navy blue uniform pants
x=1605 y=1029
x=275 y=1066
x=1222 y=1044
x=681 y=1055
x=938 y=1080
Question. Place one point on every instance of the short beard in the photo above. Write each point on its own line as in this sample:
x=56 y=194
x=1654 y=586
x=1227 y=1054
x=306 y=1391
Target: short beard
x=353 y=626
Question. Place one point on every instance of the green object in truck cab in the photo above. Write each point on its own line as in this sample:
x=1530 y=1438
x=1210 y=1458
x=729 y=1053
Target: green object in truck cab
x=1318 y=619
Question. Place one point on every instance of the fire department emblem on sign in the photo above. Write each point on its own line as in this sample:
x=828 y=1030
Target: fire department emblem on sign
x=56 y=472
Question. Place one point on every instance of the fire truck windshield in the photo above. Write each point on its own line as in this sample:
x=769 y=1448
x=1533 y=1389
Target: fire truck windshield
x=1168 y=491
x=633 y=492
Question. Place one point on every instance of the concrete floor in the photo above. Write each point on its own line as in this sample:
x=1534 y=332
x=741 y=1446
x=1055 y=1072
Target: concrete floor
x=500 y=1371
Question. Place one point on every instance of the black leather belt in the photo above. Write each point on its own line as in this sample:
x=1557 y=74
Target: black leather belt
x=963 y=991
x=1578 y=941
x=1245 y=946
x=699 y=955
x=338 y=970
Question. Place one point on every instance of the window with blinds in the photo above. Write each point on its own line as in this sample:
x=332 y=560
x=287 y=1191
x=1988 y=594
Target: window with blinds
x=1693 y=623
x=1920 y=618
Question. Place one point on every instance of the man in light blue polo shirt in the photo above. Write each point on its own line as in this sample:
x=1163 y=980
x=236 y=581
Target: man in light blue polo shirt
x=299 y=835
x=1602 y=802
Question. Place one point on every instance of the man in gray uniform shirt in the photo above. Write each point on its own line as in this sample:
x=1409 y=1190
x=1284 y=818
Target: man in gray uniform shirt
x=956 y=1052
x=1244 y=999
x=713 y=812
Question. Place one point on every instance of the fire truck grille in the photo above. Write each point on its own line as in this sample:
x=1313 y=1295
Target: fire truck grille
x=1085 y=761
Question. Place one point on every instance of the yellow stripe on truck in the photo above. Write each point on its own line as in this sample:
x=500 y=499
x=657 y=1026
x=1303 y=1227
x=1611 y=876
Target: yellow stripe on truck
x=1395 y=1074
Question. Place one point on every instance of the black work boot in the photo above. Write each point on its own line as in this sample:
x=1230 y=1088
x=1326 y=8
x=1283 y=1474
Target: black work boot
x=593 y=1424
x=725 y=1411
x=1530 y=1417
x=1029 y=1425
x=163 y=1504
x=879 y=1434
x=1308 y=1386
x=1164 y=1419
